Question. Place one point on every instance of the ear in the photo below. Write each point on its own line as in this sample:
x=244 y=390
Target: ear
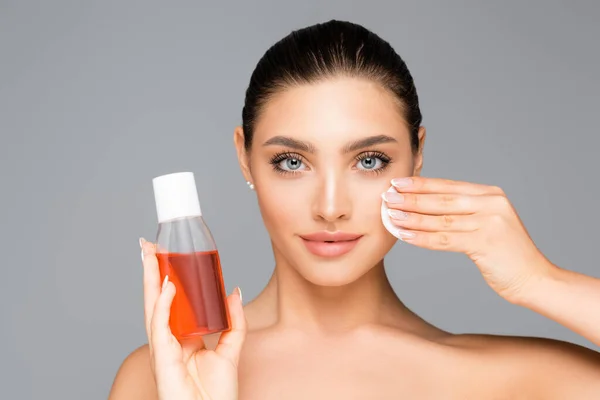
x=243 y=159
x=418 y=159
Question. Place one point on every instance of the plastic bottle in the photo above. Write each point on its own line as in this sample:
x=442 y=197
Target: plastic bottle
x=186 y=251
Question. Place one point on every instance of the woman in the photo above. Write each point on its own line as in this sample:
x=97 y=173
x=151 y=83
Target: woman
x=331 y=116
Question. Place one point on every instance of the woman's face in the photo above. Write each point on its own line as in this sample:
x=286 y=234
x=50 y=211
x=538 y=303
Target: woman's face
x=321 y=157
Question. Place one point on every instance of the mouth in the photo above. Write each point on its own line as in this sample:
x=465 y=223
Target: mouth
x=330 y=244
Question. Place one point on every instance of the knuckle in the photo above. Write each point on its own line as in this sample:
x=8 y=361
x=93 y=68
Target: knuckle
x=415 y=221
x=447 y=200
x=501 y=202
x=447 y=221
x=414 y=200
x=497 y=221
x=444 y=239
x=418 y=219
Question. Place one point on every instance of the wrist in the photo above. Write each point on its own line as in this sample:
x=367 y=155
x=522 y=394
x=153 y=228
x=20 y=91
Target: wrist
x=539 y=285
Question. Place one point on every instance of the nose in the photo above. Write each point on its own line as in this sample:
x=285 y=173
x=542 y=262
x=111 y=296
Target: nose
x=332 y=200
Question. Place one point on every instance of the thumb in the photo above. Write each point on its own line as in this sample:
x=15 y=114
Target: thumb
x=230 y=342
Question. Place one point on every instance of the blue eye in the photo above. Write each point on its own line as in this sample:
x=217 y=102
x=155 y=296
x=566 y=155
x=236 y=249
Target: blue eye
x=291 y=164
x=287 y=163
x=370 y=163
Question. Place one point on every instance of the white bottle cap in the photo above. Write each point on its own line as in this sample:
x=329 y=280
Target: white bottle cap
x=176 y=196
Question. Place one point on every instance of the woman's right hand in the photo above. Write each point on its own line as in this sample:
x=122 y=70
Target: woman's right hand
x=188 y=371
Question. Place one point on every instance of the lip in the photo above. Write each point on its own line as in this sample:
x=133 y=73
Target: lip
x=326 y=236
x=330 y=244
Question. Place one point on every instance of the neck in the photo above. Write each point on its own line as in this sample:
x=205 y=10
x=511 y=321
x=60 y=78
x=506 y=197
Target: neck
x=294 y=302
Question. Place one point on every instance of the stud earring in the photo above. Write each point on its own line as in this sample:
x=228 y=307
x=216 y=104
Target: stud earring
x=250 y=185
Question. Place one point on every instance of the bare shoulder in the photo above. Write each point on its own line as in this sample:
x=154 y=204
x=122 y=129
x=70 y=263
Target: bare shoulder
x=545 y=368
x=134 y=378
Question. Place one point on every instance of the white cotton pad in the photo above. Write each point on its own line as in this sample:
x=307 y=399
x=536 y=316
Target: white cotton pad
x=386 y=219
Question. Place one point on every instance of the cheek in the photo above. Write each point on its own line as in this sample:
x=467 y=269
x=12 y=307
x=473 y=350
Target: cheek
x=282 y=209
x=378 y=241
x=367 y=205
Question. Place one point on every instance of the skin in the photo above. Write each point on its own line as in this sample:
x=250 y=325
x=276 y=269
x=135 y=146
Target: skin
x=327 y=328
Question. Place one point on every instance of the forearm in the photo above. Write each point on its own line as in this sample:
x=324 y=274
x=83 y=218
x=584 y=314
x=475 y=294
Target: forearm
x=569 y=298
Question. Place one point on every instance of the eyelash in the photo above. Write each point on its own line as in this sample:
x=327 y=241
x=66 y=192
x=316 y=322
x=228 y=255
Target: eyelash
x=385 y=160
x=279 y=157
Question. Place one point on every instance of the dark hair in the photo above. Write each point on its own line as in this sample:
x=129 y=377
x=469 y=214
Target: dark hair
x=327 y=50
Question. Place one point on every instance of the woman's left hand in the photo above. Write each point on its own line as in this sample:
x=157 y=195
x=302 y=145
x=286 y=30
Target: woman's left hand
x=474 y=219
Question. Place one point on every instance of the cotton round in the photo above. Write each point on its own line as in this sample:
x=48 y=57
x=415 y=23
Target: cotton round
x=386 y=219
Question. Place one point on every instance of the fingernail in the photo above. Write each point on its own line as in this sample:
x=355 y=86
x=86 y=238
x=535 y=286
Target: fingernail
x=402 y=234
x=240 y=294
x=398 y=215
x=392 y=197
x=402 y=182
x=142 y=247
x=165 y=282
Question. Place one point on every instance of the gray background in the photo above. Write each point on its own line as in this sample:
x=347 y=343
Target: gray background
x=97 y=98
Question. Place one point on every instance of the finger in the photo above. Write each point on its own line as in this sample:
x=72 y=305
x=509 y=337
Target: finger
x=420 y=184
x=163 y=341
x=435 y=223
x=151 y=284
x=230 y=342
x=439 y=204
x=446 y=241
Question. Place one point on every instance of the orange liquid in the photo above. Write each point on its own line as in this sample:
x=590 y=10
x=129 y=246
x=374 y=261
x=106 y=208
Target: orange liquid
x=199 y=306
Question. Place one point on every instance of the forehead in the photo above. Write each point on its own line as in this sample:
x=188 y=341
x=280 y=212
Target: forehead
x=332 y=111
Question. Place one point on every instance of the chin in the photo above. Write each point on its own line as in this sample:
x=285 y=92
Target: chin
x=331 y=274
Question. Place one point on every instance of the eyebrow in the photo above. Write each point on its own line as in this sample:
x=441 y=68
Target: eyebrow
x=310 y=148
x=291 y=143
x=368 y=142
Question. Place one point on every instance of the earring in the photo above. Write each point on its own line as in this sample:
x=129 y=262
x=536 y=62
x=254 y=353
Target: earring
x=250 y=185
